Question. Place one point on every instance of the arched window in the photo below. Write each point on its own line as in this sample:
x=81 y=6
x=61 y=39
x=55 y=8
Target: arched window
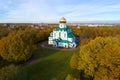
x=61 y=25
x=59 y=33
x=64 y=34
x=54 y=34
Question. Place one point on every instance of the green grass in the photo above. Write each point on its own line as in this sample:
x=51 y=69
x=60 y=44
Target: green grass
x=48 y=64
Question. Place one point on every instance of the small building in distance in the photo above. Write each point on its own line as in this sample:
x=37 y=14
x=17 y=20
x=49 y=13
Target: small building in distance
x=62 y=36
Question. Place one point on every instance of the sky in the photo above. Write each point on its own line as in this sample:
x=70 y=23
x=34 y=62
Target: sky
x=37 y=11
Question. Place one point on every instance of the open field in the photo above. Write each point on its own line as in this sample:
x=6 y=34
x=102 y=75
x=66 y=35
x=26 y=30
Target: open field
x=48 y=64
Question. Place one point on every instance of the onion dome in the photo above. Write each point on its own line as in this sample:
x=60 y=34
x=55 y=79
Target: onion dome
x=62 y=20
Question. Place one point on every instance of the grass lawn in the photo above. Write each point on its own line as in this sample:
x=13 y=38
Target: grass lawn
x=48 y=64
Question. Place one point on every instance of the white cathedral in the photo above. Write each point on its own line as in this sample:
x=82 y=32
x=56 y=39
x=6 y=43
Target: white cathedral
x=62 y=36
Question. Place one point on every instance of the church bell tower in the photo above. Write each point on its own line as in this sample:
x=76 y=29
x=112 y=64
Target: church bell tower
x=62 y=23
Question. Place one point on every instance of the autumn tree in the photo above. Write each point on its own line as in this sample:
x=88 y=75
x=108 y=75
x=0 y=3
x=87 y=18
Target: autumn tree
x=9 y=72
x=100 y=59
x=69 y=77
x=17 y=47
x=85 y=41
x=3 y=32
x=73 y=61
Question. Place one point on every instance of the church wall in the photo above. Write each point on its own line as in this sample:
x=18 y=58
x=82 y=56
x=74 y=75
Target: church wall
x=62 y=25
x=50 y=42
x=55 y=35
x=66 y=45
x=51 y=34
x=64 y=35
x=50 y=38
x=70 y=39
x=61 y=44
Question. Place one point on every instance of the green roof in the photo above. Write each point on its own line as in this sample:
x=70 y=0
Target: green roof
x=61 y=29
x=62 y=41
x=71 y=35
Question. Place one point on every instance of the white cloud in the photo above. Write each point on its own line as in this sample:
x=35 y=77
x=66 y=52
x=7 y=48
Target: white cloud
x=87 y=9
x=77 y=12
x=32 y=11
x=45 y=10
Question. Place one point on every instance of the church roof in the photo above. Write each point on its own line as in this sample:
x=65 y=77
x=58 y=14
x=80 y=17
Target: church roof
x=61 y=29
x=62 y=20
x=61 y=40
x=71 y=35
x=65 y=41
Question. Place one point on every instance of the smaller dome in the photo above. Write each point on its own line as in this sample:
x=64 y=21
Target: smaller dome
x=62 y=20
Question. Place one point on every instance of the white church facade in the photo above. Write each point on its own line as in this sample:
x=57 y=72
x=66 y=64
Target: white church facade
x=62 y=36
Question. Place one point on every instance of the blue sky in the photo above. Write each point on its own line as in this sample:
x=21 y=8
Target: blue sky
x=52 y=10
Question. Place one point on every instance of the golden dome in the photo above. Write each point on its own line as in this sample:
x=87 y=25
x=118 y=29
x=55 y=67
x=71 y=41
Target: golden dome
x=62 y=20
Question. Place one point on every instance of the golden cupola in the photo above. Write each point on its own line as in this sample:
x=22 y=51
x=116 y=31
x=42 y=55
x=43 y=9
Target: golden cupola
x=62 y=20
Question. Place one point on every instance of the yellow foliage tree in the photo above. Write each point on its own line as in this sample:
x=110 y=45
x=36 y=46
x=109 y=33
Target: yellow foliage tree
x=73 y=61
x=69 y=77
x=100 y=58
x=17 y=47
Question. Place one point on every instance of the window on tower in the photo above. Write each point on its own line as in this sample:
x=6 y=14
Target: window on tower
x=61 y=25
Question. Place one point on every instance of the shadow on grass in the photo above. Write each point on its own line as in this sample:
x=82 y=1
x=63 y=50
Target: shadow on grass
x=43 y=52
x=50 y=64
x=37 y=54
x=3 y=62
